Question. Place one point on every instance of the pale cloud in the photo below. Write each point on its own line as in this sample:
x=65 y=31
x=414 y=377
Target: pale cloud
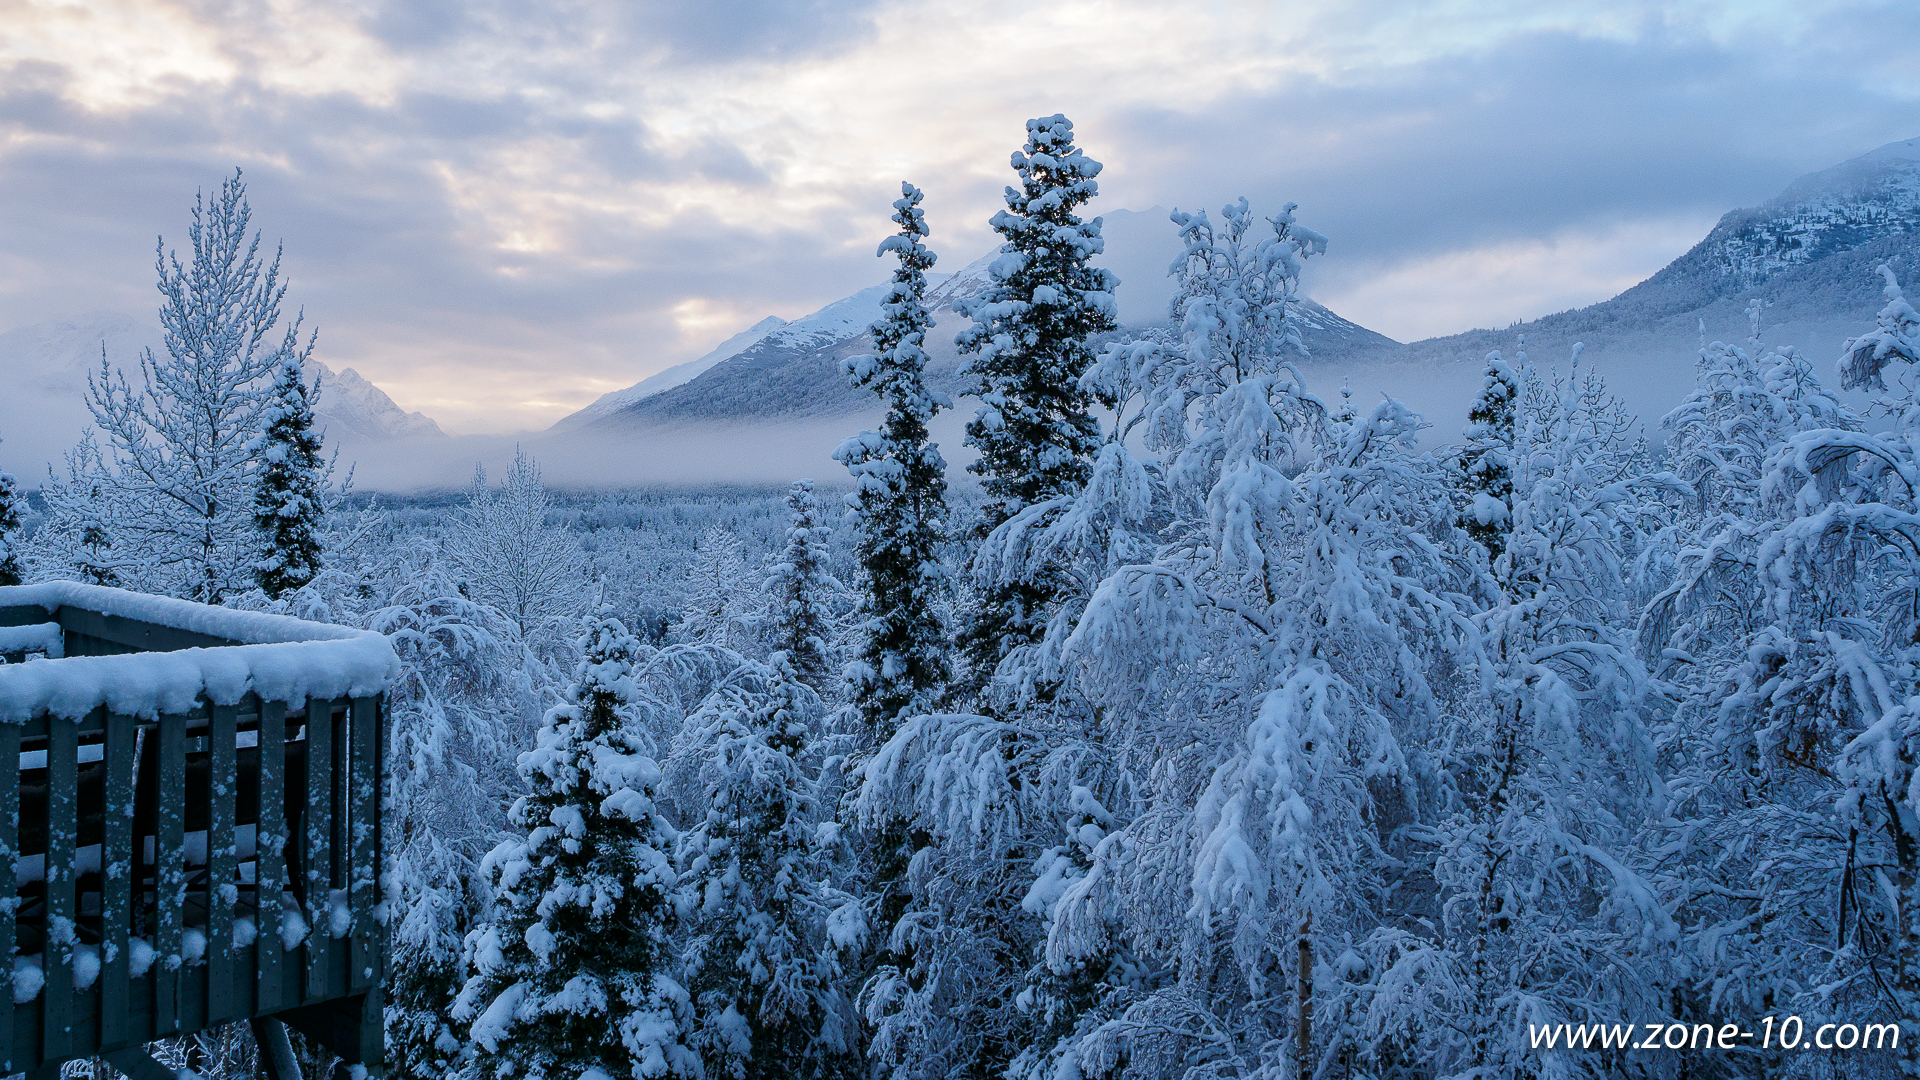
x=500 y=210
x=1504 y=283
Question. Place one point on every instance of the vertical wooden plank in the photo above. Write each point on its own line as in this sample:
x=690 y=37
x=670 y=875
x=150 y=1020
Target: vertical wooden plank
x=9 y=889
x=169 y=872
x=56 y=959
x=223 y=892
x=317 y=851
x=363 y=889
x=116 y=879
x=269 y=855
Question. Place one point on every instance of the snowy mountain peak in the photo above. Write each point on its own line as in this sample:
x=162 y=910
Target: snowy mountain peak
x=350 y=405
x=679 y=374
x=1854 y=203
x=1904 y=150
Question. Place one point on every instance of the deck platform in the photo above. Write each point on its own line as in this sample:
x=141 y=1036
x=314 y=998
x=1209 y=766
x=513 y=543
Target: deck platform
x=192 y=836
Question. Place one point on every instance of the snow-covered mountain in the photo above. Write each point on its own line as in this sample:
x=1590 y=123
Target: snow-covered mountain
x=44 y=369
x=1808 y=254
x=608 y=404
x=794 y=370
x=354 y=408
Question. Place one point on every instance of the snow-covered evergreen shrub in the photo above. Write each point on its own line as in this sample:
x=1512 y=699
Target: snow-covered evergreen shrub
x=575 y=974
x=768 y=988
x=899 y=502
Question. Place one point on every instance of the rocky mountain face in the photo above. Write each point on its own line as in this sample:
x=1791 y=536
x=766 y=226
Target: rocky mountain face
x=609 y=404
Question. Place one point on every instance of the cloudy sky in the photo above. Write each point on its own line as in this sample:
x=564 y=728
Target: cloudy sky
x=500 y=210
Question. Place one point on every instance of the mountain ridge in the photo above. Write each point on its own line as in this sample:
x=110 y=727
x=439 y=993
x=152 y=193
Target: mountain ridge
x=795 y=371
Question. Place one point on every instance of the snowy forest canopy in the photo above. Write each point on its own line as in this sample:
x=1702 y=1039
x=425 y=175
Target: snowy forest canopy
x=1226 y=730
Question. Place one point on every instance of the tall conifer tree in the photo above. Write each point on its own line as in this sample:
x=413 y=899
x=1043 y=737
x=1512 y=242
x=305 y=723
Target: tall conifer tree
x=800 y=587
x=900 y=501
x=575 y=977
x=290 y=488
x=1029 y=344
x=9 y=529
x=1485 y=479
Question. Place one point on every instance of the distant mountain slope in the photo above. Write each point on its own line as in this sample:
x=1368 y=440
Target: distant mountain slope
x=43 y=386
x=795 y=371
x=352 y=406
x=608 y=404
x=1810 y=253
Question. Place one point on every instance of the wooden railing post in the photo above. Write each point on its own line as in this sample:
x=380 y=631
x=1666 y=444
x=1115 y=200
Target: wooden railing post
x=317 y=853
x=269 y=856
x=9 y=889
x=364 y=867
x=62 y=929
x=223 y=891
x=170 y=873
x=117 y=875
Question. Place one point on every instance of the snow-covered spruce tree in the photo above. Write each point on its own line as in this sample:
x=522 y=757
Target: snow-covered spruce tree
x=1214 y=826
x=468 y=693
x=10 y=500
x=767 y=986
x=1027 y=347
x=576 y=976
x=290 y=487
x=800 y=590
x=510 y=556
x=172 y=491
x=899 y=500
x=722 y=606
x=1486 y=460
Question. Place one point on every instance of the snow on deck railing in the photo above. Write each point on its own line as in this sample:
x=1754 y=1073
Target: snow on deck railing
x=276 y=658
x=192 y=835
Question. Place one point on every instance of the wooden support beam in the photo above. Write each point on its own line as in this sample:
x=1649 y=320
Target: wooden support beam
x=276 y=1052
x=134 y=1064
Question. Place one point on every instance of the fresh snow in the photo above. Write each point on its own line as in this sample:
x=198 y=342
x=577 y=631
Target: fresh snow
x=279 y=658
x=40 y=638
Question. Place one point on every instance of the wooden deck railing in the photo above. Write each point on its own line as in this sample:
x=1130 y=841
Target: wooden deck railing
x=174 y=871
